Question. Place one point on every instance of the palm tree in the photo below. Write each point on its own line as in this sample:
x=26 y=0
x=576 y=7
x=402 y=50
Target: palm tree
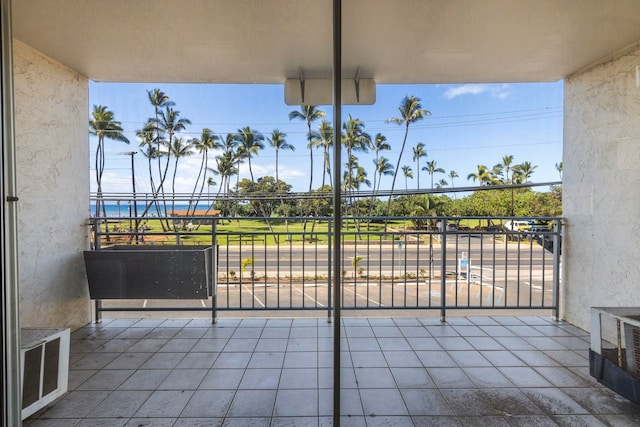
x=210 y=183
x=225 y=168
x=411 y=111
x=180 y=148
x=360 y=177
x=103 y=125
x=207 y=141
x=427 y=205
x=442 y=183
x=432 y=168
x=148 y=144
x=230 y=146
x=278 y=142
x=453 y=174
x=498 y=171
x=168 y=123
x=250 y=143
x=523 y=171
x=418 y=152
x=229 y=155
x=354 y=138
x=324 y=138
x=505 y=166
x=378 y=143
x=354 y=176
x=308 y=113
x=230 y=142
x=159 y=100
x=559 y=169
x=383 y=167
x=408 y=173
x=483 y=176
x=151 y=152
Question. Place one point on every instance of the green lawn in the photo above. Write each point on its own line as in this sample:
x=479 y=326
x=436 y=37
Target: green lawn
x=259 y=231
x=251 y=231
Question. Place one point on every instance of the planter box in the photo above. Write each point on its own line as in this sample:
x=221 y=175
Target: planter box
x=150 y=272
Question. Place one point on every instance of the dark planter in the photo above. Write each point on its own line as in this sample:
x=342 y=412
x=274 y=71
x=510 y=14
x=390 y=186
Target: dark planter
x=613 y=376
x=150 y=272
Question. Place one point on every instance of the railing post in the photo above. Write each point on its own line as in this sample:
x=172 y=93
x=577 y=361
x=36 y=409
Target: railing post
x=98 y=311
x=557 y=242
x=329 y=267
x=443 y=270
x=96 y=233
x=97 y=244
x=214 y=271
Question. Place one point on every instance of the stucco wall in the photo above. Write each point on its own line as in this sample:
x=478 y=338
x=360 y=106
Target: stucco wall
x=51 y=123
x=601 y=189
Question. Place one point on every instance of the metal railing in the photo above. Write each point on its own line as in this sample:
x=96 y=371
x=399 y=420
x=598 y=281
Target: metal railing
x=286 y=263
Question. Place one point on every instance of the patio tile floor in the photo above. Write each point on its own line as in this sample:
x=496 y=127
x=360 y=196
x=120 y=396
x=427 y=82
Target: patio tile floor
x=472 y=371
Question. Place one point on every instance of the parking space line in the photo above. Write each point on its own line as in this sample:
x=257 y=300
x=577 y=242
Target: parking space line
x=253 y=295
x=318 y=303
x=368 y=299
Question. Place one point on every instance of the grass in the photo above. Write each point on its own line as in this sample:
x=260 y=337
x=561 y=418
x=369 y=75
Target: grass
x=249 y=231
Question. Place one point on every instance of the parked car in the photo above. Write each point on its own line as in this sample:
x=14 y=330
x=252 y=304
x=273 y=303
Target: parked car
x=451 y=226
x=538 y=229
x=516 y=225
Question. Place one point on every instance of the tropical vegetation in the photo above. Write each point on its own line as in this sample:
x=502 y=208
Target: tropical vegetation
x=220 y=157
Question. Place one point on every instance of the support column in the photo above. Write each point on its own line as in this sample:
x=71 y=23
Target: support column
x=337 y=205
x=11 y=399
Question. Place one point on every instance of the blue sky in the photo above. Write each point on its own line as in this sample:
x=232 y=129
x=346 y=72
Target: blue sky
x=470 y=124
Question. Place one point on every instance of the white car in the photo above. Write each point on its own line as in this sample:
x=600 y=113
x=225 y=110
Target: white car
x=515 y=225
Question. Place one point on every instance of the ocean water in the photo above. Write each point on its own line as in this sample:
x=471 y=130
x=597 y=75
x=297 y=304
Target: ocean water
x=114 y=210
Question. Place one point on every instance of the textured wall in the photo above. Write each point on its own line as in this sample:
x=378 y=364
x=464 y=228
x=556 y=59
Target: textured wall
x=601 y=189
x=51 y=120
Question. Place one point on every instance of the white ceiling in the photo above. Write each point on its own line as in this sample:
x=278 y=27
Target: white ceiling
x=266 y=41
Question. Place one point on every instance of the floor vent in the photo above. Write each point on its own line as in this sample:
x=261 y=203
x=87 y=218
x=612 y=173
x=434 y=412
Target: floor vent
x=44 y=363
x=614 y=356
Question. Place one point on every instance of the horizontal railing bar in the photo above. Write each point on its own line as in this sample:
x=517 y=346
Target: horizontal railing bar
x=168 y=196
x=393 y=269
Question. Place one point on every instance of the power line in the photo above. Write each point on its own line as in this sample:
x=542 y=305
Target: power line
x=483 y=118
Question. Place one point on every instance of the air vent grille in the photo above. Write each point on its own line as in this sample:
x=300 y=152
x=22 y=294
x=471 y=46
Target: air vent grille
x=45 y=367
x=635 y=348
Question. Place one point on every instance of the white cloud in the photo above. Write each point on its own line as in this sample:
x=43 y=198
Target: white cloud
x=496 y=91
x=287 y=173
x=113 y=182
x=471 y=89
x=501 y=91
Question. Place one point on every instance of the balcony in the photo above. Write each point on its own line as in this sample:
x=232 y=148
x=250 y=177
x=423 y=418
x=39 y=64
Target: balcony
x=439 y=327
x=402 y=371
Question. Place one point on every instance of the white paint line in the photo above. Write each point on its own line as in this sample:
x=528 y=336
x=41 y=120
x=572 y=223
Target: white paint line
x=307 y=296
x=363 y=296
x=482 y=268
x=532 y=286
x=253 y=295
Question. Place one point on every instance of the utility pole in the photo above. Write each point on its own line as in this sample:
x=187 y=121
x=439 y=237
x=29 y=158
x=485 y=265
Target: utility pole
x=133 y=184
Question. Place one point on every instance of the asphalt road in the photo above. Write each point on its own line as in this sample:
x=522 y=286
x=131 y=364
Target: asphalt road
x=499 y=275
x=384 y=256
